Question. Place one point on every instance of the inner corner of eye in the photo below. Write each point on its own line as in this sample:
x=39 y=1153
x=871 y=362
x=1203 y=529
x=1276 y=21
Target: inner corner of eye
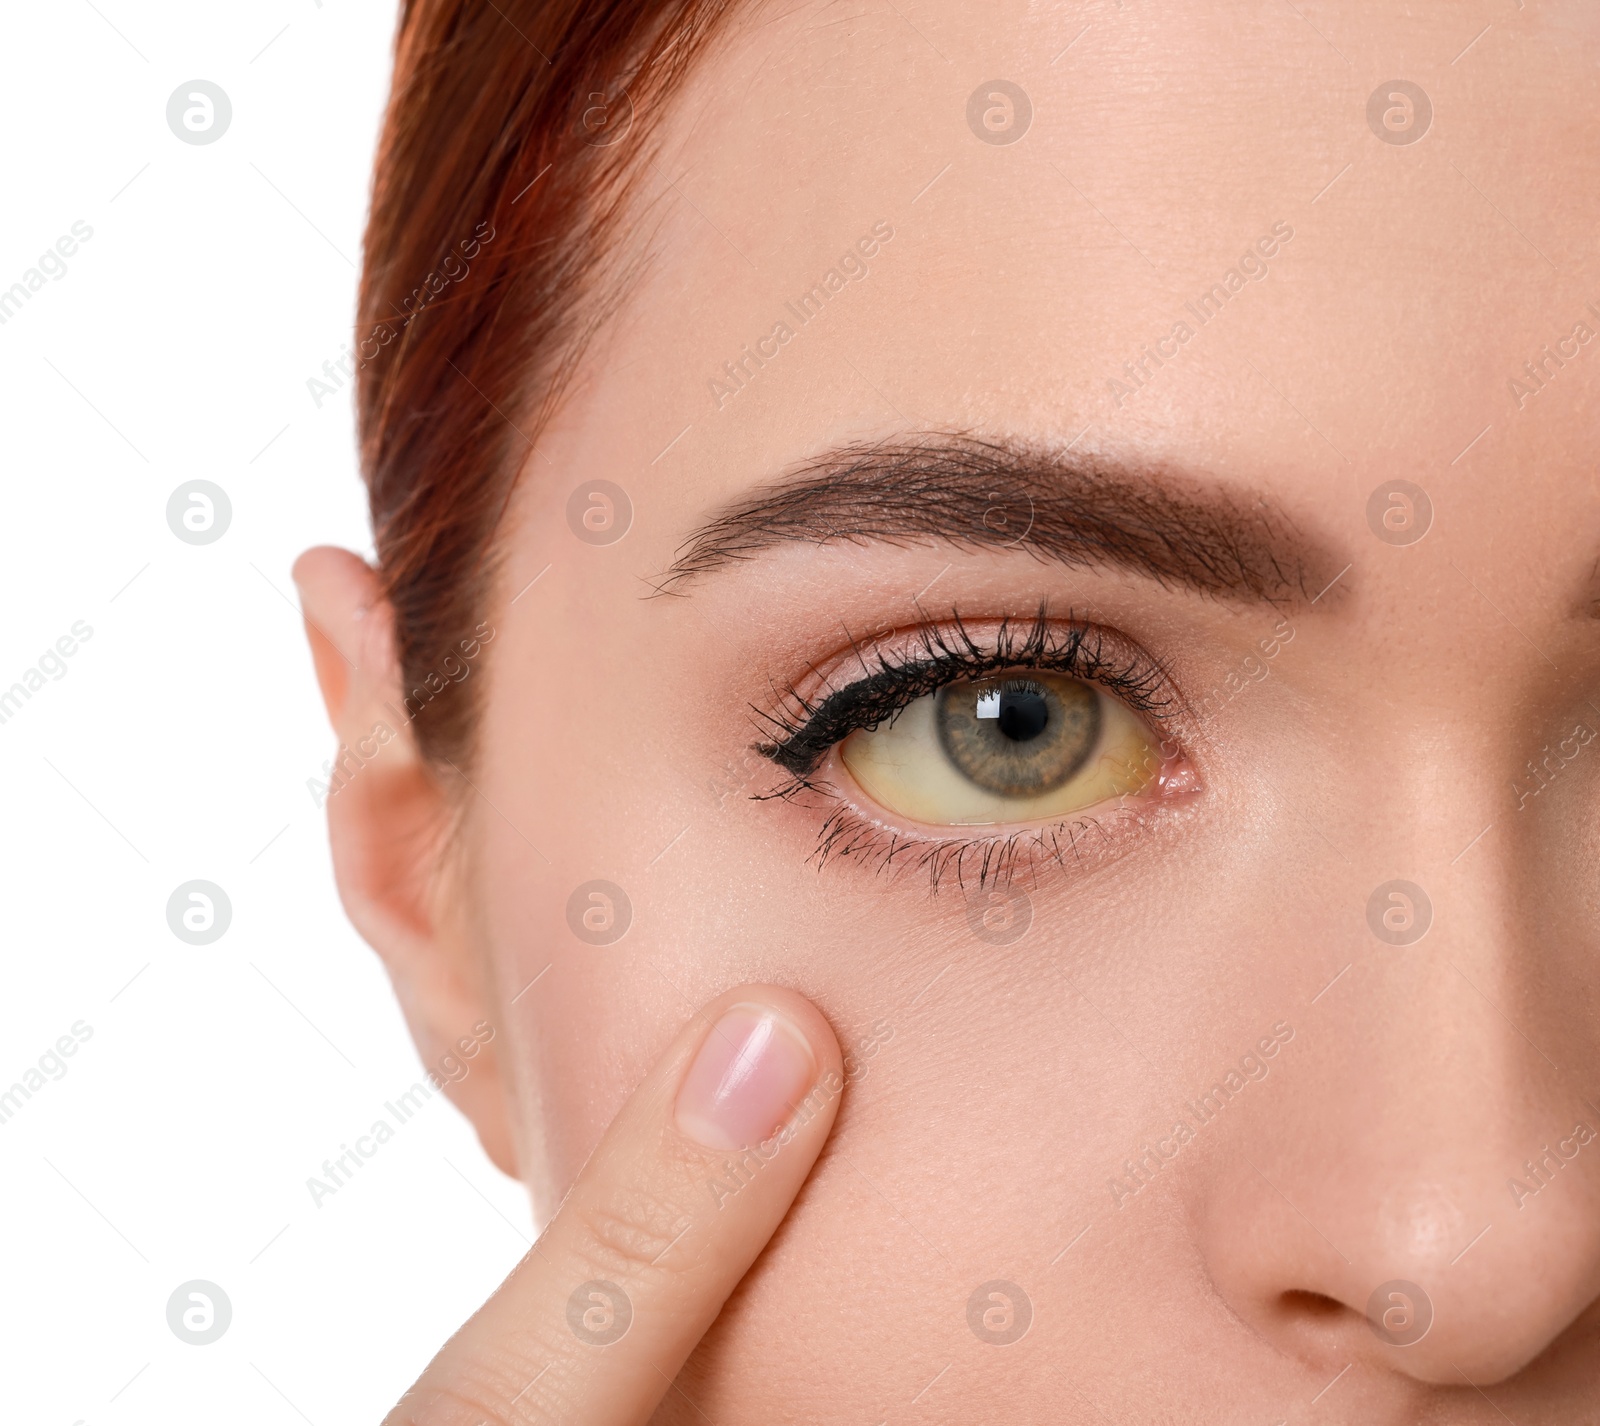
x=1018 y=747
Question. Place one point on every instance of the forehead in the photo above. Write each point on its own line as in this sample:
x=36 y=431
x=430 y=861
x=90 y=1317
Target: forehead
x=1303 y=249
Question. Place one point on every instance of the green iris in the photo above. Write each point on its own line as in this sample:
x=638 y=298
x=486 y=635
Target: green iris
x=1021 y=735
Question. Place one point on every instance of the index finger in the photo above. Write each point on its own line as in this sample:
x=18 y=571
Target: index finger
x=688 y=1183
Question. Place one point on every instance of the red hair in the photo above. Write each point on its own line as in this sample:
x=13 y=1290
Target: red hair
x=499 y=175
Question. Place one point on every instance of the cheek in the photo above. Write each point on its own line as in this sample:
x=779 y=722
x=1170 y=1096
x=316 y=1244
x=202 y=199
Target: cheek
x=1012 y=1085
x=992 y=1057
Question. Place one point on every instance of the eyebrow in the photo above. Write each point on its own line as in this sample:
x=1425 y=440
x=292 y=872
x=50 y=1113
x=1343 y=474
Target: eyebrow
x=1081 y=511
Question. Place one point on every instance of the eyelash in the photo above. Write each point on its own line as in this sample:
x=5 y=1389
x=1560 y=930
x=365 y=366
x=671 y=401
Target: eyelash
x=804 y=730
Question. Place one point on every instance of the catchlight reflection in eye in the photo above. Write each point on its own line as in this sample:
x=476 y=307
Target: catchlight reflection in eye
x=1018 y=747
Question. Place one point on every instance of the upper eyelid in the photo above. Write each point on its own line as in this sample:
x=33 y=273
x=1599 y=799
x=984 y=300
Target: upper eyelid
x=1077 y=649
x=913 y=645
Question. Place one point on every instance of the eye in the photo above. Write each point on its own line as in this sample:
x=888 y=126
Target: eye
x=980 y=724
x=1014 y=747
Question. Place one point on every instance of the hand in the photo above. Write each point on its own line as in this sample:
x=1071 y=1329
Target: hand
x=689 y=1182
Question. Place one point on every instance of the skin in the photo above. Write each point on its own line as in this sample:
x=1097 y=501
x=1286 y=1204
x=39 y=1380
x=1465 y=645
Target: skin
x=1388 y=738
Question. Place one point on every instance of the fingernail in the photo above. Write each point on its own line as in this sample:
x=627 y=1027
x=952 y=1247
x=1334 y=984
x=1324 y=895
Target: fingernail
x=752 y=1070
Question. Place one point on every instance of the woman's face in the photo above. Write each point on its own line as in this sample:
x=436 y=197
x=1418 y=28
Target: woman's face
x=1269 y=377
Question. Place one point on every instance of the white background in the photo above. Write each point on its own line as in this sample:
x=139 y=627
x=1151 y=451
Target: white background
x=178 y=745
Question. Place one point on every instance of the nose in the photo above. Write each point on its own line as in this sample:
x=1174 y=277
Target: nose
x=1422 y=1192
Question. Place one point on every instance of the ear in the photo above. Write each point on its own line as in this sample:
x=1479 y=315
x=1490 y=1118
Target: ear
x=389 y=822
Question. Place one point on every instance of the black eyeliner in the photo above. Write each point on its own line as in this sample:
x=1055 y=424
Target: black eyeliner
x=804 y=731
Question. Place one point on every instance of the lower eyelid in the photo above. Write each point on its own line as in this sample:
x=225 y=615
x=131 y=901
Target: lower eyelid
x=1074 y=846
x=853 y=832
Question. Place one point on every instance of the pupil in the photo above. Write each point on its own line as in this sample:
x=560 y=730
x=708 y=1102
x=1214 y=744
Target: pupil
x=1023 y=715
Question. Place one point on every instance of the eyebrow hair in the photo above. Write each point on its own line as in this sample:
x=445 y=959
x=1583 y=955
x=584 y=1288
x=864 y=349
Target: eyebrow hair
x=1082 y=511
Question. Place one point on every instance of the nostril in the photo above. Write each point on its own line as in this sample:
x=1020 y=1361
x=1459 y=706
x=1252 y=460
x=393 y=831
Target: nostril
x=1314 y=1307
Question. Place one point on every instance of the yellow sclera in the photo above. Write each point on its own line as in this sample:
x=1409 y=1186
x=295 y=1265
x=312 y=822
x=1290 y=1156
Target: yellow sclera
x=904 y=767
